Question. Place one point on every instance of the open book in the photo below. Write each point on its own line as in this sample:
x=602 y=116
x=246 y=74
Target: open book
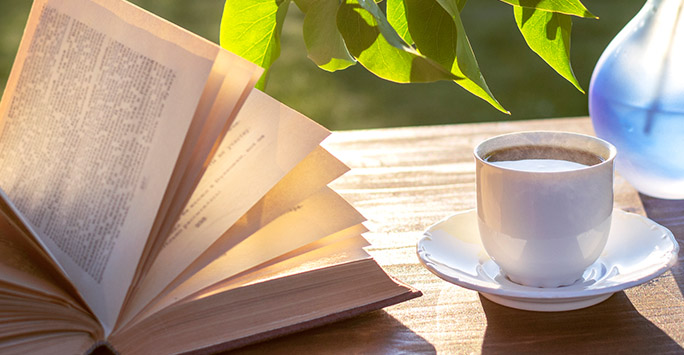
x=152 y=201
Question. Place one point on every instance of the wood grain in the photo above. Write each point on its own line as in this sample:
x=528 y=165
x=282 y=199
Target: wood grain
x=406 y=179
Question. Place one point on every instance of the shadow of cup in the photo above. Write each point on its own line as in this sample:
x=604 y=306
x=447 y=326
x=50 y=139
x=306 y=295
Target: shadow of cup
x=604 y=328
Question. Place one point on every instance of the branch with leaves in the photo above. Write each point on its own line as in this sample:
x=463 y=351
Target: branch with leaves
x=411 y=41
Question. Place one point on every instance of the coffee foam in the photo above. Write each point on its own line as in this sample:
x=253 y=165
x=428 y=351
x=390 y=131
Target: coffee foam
x=548 y=152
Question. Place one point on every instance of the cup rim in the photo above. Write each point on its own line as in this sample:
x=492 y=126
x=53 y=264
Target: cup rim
x=609 y=158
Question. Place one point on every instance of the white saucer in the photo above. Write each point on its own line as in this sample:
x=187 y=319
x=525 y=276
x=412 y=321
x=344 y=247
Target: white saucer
x=637 y=251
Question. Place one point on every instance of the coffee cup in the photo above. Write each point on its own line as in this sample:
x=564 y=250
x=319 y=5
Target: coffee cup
x=544 y=204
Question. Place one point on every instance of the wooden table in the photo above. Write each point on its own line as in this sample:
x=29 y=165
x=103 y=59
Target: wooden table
x=404 y=180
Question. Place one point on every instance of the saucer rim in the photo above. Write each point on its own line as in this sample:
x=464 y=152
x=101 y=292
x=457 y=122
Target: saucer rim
x=559 y=293
x=550 y=304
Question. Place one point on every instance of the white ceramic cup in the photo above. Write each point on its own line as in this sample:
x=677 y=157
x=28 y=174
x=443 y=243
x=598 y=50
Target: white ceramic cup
x=544 y=229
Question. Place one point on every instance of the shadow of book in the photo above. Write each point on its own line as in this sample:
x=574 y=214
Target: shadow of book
x=373 y=333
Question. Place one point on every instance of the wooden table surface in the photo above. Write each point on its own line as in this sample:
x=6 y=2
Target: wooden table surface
x=405 y=179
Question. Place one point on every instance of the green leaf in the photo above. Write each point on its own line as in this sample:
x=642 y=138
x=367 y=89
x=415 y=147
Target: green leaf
x=452 y=7
x=373 y=42
x=396 y=16
x=568 y=7
x=548 y=34
x=438 y=32
x=252 y=28
x=461 y=5
x=381 y=23
x=324 y=42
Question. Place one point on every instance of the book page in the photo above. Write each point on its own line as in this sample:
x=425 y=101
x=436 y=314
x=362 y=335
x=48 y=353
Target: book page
x=94 y=116
x=320 y=215
x=306 y=179
x=263 y=310
x=58 y=342
x=265 y=142
x=341 y=247
x=24 y=256
x=228 y=87
x=32 y=297
x=316 y=170
x=21 y=316
x=19 y=267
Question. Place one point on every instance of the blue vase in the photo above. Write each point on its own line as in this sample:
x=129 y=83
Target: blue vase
x=636 y=99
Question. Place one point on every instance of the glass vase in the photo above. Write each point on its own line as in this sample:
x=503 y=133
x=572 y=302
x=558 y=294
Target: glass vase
x=636 y=99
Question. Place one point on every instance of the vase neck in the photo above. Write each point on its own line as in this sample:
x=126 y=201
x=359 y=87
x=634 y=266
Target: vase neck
x=667 y=5
x=664 y=17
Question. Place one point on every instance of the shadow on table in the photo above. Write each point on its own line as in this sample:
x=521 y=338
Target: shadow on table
x=376 y=332
x=609 y=326
x=669 y=213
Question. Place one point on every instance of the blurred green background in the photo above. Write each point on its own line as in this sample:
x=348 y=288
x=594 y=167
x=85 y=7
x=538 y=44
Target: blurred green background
x=355 y=98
